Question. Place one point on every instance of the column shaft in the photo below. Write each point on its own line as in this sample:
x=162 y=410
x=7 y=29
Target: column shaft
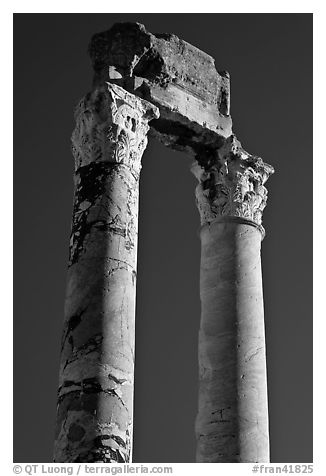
x=95 y=396
x=232 y=421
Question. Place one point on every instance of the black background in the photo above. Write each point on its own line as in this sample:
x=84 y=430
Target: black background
x=269 y=57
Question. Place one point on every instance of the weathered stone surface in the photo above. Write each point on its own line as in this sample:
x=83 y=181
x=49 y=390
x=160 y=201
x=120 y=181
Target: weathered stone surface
x=231 y=183
x=232 y=420
x=180 y=79
x=95 y=396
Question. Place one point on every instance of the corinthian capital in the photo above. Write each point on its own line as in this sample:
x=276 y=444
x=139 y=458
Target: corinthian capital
x=231 y=183
x=111 y=126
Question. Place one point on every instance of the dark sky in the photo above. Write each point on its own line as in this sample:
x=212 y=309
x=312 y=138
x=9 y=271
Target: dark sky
x=269 y=57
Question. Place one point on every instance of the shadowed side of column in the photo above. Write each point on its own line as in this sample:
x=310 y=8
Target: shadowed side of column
x=95 y=396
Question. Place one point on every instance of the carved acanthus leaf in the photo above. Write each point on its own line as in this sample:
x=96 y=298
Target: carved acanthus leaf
x=111 y=126
x=231 y=184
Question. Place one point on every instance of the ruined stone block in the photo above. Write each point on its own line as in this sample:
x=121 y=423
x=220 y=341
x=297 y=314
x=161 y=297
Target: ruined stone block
x=193 y=97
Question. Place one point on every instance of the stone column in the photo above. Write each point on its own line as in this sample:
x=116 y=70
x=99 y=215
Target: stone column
x=232 y=421
x=95 y=396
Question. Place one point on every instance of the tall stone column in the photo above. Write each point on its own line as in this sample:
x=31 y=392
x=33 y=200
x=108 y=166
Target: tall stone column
x=232 y=421
x=95 y=396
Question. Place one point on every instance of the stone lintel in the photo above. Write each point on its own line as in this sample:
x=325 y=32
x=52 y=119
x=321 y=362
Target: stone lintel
x=181 y=80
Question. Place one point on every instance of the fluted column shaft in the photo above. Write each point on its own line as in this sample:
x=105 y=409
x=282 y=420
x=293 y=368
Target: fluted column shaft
x=95 y=396
x=232 y=420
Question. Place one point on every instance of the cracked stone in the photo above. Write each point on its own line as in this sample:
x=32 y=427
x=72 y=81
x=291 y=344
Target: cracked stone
x=180 y=79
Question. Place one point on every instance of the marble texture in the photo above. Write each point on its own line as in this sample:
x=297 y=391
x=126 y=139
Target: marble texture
x=232 y=420
x=95 y=395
